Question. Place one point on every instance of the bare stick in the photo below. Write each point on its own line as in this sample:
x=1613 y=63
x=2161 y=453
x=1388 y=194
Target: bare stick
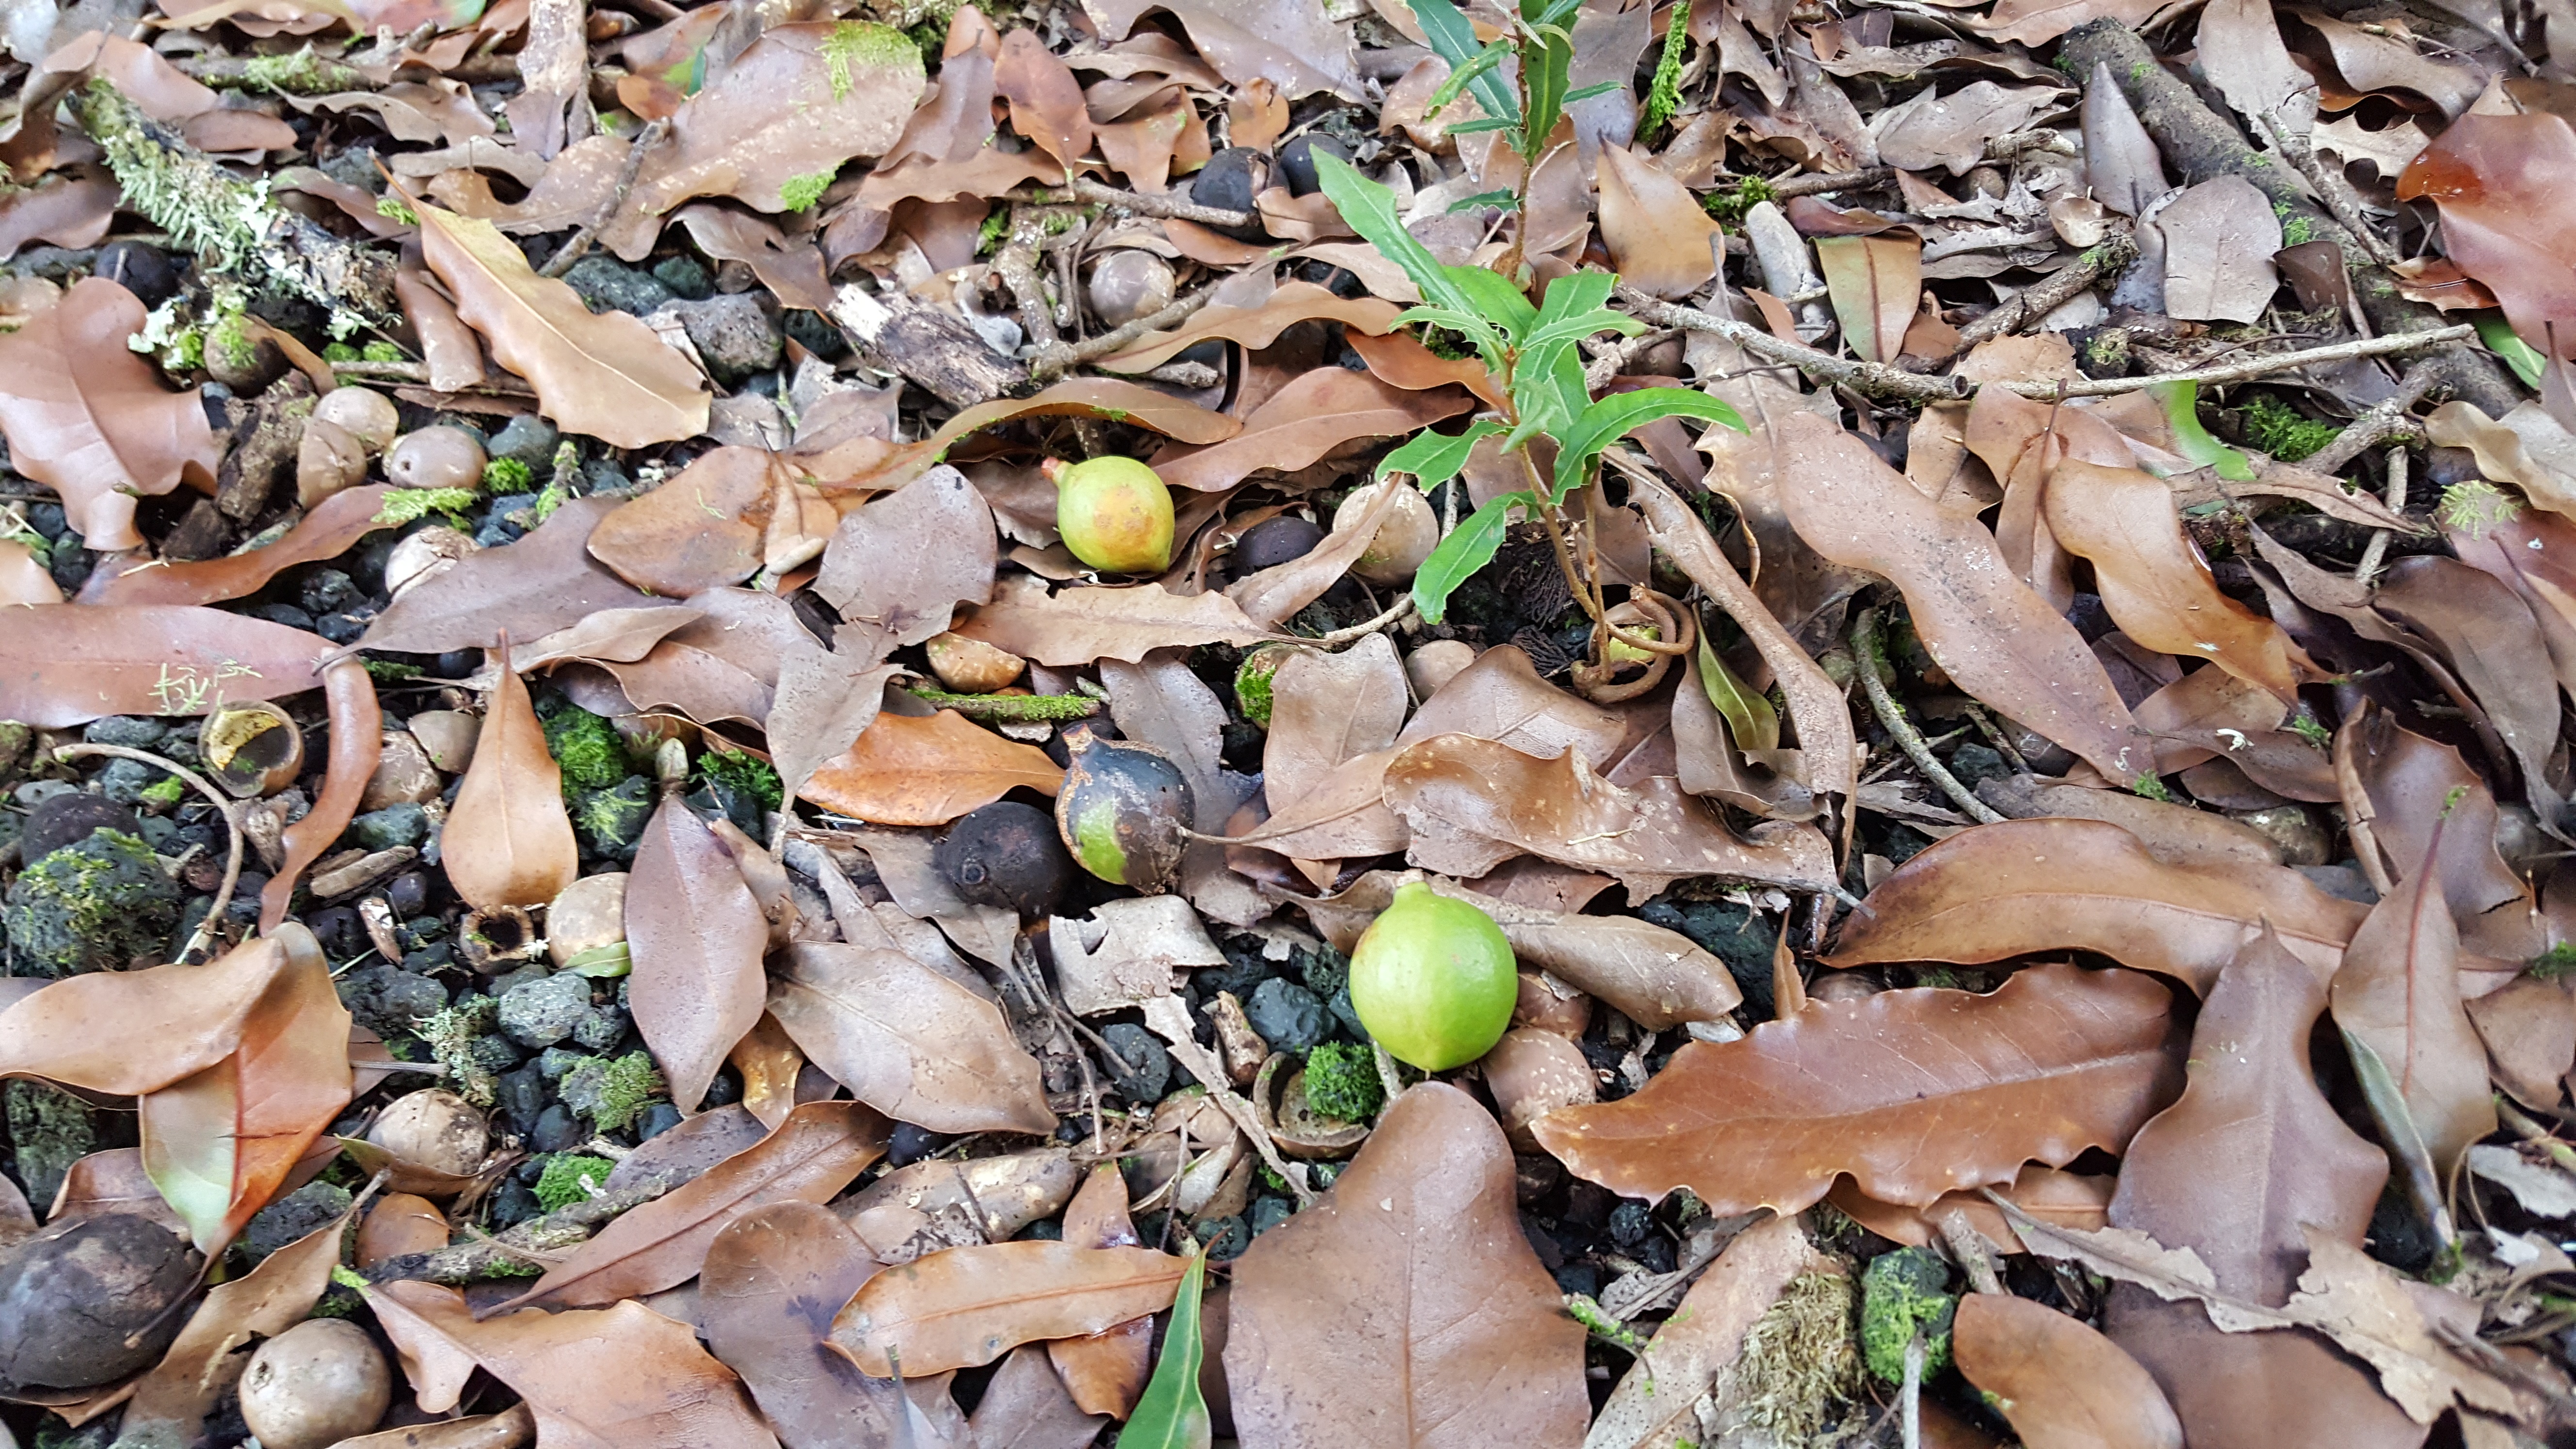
x=1891 y=717
x=2052 y=291
x=1339 y=637
x=1820 y=183
x=1968 y=1248
x=535 y=1242
x=2332 y=187
x=2395 y=498
x=579 y=247
x=204 y=936
x=1167 y=208
x=1017 y=264
x=2383 y=420
x=1047 y=364
x=1871 y=379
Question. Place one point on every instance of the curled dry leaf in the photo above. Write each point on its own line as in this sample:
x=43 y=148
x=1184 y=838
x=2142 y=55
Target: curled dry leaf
x=907 y=770
x=2054 y=884
x=1982 y=625
x=1075 y=626
x=2505 y=213
x=545 y=582
x=1406 y=1308
x=507 y=841
x=606 y=375
x=88 y=416
x=1256 y=326
x=2398 y=992
x=126 y=1033
x=1914 y=1093
x=907 y=1040
x=1306 y=420
x=2421 y=792
x=87 y=662
x=896 y=568
x=814 y=1154
x=1105 y=397
x=2066 y=1199
x=961 y=1307
x=621 y=1375
x=357 y=742
x=1658 y=235
x=220 y=1142
x=1328 y=708
x=697 y=937
x=327 y=532
x=2061 y=1384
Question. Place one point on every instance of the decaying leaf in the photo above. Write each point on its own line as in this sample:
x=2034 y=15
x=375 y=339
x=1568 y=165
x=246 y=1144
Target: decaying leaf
x=2504 y=215
x=1655 y=1404
x=544 y=582
x=697 y=936
x=2219 y=239
x=508 y=841
x=1913 y=1093
x=1873 y=282
x=1657 y=234
x=89 y=661
x=1317 y=413
x=907 y=1040
x=1078 y=625
x=897 y=567
x=1104 y=1373
x=2398 y=992
x=325 y=533
x=910 y=770
x=89 y=417
x=966 y=1306
x=2060 y=1383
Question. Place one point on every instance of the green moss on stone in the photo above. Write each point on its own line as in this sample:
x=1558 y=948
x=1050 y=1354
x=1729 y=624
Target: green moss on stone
x=612 y=1094
x=1904 y=1292
x=450 y=1037
x=586 y=748
x=570 y=1178
x=49 y=1130
x=93 y=906
x=2283 y=431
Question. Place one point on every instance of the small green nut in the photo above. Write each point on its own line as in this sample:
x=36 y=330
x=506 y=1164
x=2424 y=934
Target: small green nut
x=1903 y=1292
x=1123 y=810
x=1252 y=681
x=1114 y=513
x=1433 y=980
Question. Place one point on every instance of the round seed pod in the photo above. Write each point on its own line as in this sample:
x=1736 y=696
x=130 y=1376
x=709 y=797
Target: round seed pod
x=1123 y=811
x=435 y=457
x=363 y=413
x=314 y=1385
x=1006 y=854
x=433 y=1128
x=251 y=748
x=71 y=1295
x=1405 y=535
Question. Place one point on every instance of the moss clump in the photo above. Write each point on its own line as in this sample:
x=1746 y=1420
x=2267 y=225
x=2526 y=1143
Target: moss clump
x=1729 y=203
x=387 y=671
x=380 y=352
x=612 y=820
x=450 y=1036
x=2297 y=231
x=586 y=748
x=2151 y=787
x=799 y=193
x=2476 y=507
x=506 y=475
x=1798 y=1360
x=2282 y=431
x=744 y=774
x=1252 y=682
x=393 y=208
x=1342 y=1082
x=49 y=1130
x=407 y=505
x=612 y=1094
x=1664 y=96
x=570 y=1178
x=2556 y=963
x=303 y=74
x=1902 y=1293
x=229 y=344
x=92 y=906
x=855 y=43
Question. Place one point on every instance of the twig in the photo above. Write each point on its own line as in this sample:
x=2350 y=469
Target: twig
x=2332 y=188
x=529 y=1242
x=1016 y=263
x=1010 y=708
x=1167 y=208
x=1613 y=358
x=2381 y=421
x=1891 y=717
x=1871 y=379
x=2052 y=291
x=1969 y=1250
x=1340 y=637
x=1910 y=1397
x=2357 y=810
x=1821 y=182
x=2530 y=1131
x=2395 y=498
x=579 y=247
x=389 y=371
x=1049 y=363
x=2252 y=367
x=204 y=936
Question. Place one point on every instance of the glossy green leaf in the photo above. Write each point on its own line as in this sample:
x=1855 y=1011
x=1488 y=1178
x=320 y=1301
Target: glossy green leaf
x=1454 y=40
x=1619 y=414
x=1171 y=1414
x=1597 y=88
x=1492 y=296
x=1435 y=458
x=2497 y=334
x=1479 y=125
x=1468 y=548
x=1545 y=66
x=1750 y=718
x=2181 y=402
x=1482 y=198
x=1370 y=210
x=1459 y=79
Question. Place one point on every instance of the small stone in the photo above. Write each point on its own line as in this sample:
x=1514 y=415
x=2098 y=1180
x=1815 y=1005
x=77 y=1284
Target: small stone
x=554 y=1061
x=494 y=1054
x=95 y=905
x=49 y=1130
x=520 y=1096
x=527 y=439
x=602 y=1028
x=403 y=774
x=734 y=334
x=124 y=781
x=1147 y=1067
x=68 y=818
x=447 y=736
x=659 y=1118
x=557 y=1130
x=328 y=591
x=508 y=520
x=133 y=732
x=606 y=286
x=292 y=1216
x=388 y=1000
x=287 y=614
x=144 y=270
x=687 y=277
x=408 y=894
x=541 y=1013
x=1288 y=1016
x=395 y=825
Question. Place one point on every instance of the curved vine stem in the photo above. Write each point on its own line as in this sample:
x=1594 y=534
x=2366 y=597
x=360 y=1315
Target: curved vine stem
x=203 y=939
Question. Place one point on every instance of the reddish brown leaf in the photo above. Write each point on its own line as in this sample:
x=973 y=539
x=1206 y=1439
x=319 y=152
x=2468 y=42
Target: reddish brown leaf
x=126 y=1033
x=697 y=937
x=2506 y=211
x=704 y=529
x=772 y=1281
x=1105 y=1371
x=327 y=532
x=2398 y=992
x=1983 y=626
x=87 y=661
x=1873 y=282
x=23 y=579
x=928 y=771
x=897 y=567
x=219 y=1143
x=1257 y=326
x=2061 y=1199
x=1312 y=416
x=544 y=582
x=357 y=743
x=1657 y=233
x=2060 y=1384
x=961 y=1307
x=1406 y=1308
x=820 y=1148
x=907 y=1040
x=87 y=416
x=399 y=1224
x=1997 y=891
x=1913 y=1093
x=622 y=1375
x=64 y=211
x=1077 y=625
x=112 y=1182
x=1046 y=101
x=507 y=841
x=2421 y=790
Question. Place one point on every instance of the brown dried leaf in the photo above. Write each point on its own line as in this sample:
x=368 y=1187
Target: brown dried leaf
x=1654 y=1405
x=544 y=582
x=724 y=665
x=23 y=580
x=1913 y=1093
x=1929 y=129
x=1500 y=697
x=907 y=1040
x=1108 y=397
x=961 y=1307
x=2415 y=785
x=1026 y=1406
x=2061 y=1384
x=126 y=1033
x=449 y=348
x=1658 y=236
x=86 y=662
x=2505 y=213
x=508 y=841
x=815 y=1153
x=606 y=375
x=2398 y=992
x=1983 y=626
x=1272 y=596
x=896 y=567
x=1997 y=891
x=697 y=936
x=772 y=1281
x=62 y=211
x=1104 y=1372
x=111 y=1182
x=357 y=743
x=1313 y=416
x=1472 y=804
x=2219 y=239
x=1256 y=326
x=1874 y=283
x=1328 y=708
x=795 y=270
x=2064 y=1199
x=2492 y=641
x=1046 y=101
x=2174 y=834
x=330 y=530
x=1406 y=1308
x=701 y=530
x=1077 y=625
x=88 y=416
x=2152 y=579
x=914 y=771
x=594 y=1378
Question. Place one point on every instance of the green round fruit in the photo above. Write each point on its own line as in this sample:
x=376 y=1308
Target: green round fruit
x=1114 y=513
x=1122 y=810
x=1433 y=980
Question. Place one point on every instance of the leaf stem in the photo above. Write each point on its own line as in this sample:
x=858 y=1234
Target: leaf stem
x=1891 y=717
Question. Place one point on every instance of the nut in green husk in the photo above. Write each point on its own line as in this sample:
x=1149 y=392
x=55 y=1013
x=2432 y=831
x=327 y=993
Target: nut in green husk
x=1005 y=854
x=1114 y=514
x=1252 y=681
x=1124 y=810
x=1433 y=980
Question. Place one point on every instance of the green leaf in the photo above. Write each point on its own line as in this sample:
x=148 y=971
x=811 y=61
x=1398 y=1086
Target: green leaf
x=1749 y=716
x=1545 y=65
x=1616 y=416
x=2521 y=356
x=1435 y=458
x=1454 y=40
x=1482 y=123
x=1575 y=329
x=1492 y=296
x=1548 y=12
x=1482 y=198
x=1597 y=88
x=1171 y=1414
x=1469 y=547
x=1488 y=58
x=2180 y=401
x=1370 y=210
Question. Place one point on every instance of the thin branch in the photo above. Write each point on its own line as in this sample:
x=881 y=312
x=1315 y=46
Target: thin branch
x=2052 y=291
x=1891 y=717
x=1050 y=363
x=1870 y=379
x=203 y=938
x=2252 y=367
x=1817 y=184
x=2383 y=420
x=579 y=247
x=2395 y=498
x=1339 y=637
x=1167 y=208
x=2329 y=186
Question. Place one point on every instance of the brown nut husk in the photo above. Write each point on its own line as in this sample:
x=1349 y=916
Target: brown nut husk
x=1404 y=537
x=436 y=1129
x=314 y=1385
x=1124 y=810
x=435 y=457
x=1279 y=1102
x=71 y=1296
x=1436 y=663
x=423 y=556
x=363 y=413
x=1532 y=1073
x=971 y=666
x=449 y=737
x=251 y=749
x=330 y=459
